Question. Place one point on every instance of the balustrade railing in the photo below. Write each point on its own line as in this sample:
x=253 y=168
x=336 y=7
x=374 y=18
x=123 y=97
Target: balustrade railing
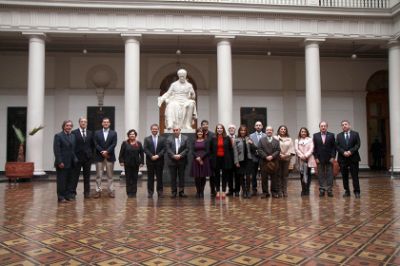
x=321 y=3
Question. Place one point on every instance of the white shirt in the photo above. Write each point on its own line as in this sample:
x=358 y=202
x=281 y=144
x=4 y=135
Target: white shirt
x=177 y=144
x=105 y=133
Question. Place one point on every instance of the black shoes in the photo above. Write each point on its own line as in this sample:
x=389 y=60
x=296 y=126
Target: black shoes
x=357 y=195
x=322 y=193
x=182 y=195
x=330 y=194
x=346 y=194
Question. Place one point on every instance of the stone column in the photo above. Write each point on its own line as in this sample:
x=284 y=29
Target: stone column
x=224 y=70
x=35 y=101
x=394 y=102
x=132 y=81
x=313 y=84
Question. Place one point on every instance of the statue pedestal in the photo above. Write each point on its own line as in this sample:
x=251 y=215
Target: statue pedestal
x=189 y=180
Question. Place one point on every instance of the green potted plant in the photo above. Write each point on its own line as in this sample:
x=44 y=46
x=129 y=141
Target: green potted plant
x=20 y=168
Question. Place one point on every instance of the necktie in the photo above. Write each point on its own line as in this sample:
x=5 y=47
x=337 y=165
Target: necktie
x=177 y=144
x=155 y=143
x=346 y=137
x=83 y=134
x=258 y=136
x=323 y=138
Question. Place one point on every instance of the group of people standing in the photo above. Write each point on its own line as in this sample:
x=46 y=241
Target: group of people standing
x=231 y=159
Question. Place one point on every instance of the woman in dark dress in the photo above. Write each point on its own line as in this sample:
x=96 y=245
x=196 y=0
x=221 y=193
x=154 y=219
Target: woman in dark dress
x=201 y=163
x=221 y=158
x=131 y=158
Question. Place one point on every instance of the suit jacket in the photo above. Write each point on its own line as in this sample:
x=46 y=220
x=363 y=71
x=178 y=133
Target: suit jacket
x=352 y=146
x=183 y=151
x=84 y=148
x=324 y=151
x=64 y=150
x=253 y=137
x=228 y=152
x=131 y=156
x=266 y=148
x=148 y=146
x=105 y=145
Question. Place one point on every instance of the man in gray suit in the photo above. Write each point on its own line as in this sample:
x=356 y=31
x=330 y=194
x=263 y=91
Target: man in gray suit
x=255 y=137
x=178 y=151
x=269 y=150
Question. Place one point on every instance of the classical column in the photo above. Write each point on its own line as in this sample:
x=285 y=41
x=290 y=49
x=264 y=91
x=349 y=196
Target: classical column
x=35 y=101
x=224 y=70
x=313 y=84
x=394 y=102
x=132 y=81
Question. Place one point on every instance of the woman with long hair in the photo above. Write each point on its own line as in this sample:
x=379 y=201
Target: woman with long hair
x=304 y=147
x=285 y=156
x=131 y=157
x=201 y=162
x=243 y=149
x=221 y=158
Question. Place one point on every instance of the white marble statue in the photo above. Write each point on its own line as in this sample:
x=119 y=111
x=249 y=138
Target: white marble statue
x=181 y=105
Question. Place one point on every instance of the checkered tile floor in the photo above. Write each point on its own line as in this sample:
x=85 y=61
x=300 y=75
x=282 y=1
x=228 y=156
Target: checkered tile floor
x=36 y=230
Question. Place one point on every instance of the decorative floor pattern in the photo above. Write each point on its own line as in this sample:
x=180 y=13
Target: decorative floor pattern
x=36 y=230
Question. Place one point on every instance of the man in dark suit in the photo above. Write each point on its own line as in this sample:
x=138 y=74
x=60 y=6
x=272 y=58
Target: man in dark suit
x=324 y=153
x=208 y=136
x=347 y=145
x=105 y=141
x=65 y=159
x=268 y=151
x=154 y=148
x=177 y=150
x=84 y=151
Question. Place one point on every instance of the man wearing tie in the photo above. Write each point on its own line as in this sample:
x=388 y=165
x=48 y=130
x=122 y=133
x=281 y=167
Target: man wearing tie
x=324 y=153
x=177 y=150
x=105 y=141
x=255 y=137
x=347 y=145
x=84 y=151
x=154 y=148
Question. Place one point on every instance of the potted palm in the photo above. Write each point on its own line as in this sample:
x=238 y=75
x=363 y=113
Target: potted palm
x=20 y=168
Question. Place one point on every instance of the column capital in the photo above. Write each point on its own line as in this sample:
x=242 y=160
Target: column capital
x=39 y=35
x=131 y=36
x=393 y=43
x=314 y=40
x=227 y=38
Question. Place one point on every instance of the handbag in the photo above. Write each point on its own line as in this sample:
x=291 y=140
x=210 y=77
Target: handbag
x=269 y=167
x=335 y=168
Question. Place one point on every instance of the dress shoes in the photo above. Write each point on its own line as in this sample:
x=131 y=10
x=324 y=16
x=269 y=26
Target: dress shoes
x=62 y=200
x=322 y=193
x=357 y=195
x=132 y=195
x=330 y=194
x=236 y=194
x=182 y=195
x=346 y=194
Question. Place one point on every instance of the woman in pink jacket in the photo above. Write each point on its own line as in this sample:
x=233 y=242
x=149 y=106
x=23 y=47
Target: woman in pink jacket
x=304 y=148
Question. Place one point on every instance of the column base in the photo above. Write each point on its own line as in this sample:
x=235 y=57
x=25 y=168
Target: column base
x=39 y=173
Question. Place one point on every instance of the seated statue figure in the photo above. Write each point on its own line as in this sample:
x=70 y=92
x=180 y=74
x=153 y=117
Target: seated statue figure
x=180 y=102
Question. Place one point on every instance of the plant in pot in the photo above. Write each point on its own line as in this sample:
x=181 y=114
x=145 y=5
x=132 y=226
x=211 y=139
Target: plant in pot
x=20 y=168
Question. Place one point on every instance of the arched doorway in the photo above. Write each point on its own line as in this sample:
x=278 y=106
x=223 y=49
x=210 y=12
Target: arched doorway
x=378 y=121
x=164 y=87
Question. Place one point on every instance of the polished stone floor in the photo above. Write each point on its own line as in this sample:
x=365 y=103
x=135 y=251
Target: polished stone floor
x=36 y=230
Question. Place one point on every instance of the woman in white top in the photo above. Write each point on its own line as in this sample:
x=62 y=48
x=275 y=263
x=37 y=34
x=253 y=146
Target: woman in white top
x=304 y=147
x=287 y=152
